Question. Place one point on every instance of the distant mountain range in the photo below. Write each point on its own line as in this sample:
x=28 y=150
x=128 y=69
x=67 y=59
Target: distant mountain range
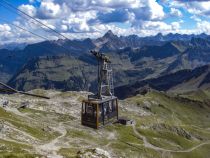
x=13 y=46
x=179 y=82
x=67 y=64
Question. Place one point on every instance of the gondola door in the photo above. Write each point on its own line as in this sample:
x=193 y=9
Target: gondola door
x=89 y=114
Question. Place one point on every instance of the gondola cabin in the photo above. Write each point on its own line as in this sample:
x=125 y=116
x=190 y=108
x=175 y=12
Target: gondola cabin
x=99 y=112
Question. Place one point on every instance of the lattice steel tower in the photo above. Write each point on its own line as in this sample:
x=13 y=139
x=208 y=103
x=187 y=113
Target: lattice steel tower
x=105 y=75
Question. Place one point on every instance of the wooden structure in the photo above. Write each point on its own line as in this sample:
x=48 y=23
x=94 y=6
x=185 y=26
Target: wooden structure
x=101 y=108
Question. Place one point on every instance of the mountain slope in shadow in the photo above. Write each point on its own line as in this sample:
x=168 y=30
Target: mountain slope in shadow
x=179 y=82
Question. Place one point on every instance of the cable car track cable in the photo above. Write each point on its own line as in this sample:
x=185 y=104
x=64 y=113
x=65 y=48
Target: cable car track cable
x=19 y=13
x=22 y=12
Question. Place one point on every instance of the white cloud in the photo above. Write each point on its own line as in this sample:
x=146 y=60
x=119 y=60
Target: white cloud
x=194 y=7
x=103 y=5
x=156 y=10
x=49 y=10
x=203 y=27
x=175 y=25
x=157 y=26
x=4 y=27
x=92 y=18
x=29 y=9
x=194 y=17
x=119 y=10
x=64 y=27
x=78 y=21
x=118 y=3
x=151 y=10
x=175 y=12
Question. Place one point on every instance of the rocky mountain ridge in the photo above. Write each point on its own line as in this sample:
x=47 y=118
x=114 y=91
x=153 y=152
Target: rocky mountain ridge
x=133 y=58
x=179 y=82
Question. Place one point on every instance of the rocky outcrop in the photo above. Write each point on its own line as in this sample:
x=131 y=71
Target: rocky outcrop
x=176 y=130
x=94 y=153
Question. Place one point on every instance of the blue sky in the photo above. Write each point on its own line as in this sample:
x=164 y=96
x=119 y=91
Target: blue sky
x=92 y=18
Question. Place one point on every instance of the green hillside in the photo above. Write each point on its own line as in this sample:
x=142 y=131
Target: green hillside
x=165 y=126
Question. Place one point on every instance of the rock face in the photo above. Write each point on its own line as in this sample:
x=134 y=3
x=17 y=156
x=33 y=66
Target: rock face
x=180 y=81
x=1 y=126
x=57 y=72
x=176 y=130
x=4 y=102
x=94 y=153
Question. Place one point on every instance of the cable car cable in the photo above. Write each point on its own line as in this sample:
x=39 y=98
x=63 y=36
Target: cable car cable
x=19 y=13
x=55 y=31
x=19 y=27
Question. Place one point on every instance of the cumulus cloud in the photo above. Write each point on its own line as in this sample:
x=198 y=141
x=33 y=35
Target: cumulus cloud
x=117 y=11
x=105 y=5
x=119 y=15
x=156 y=10
x=92 y=18
x=175 y=12
x=78 y=21
x=194 y=7
x=29 y=9
x=156 y=25
x=4 y=27
x=49 y=10
x=203 y=26
x=194 y=17
x=175 y=25
x=118 y=4
x=107 y=11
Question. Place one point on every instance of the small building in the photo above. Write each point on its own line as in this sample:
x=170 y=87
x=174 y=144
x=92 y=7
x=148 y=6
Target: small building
x=125 y=121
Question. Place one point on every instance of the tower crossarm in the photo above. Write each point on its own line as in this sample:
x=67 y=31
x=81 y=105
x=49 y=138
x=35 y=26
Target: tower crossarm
x=100 y=56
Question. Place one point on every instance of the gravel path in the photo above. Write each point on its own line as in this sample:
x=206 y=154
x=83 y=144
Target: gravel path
x=148 y=145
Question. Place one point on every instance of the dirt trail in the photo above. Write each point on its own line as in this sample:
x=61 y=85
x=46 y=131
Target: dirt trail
x=16 y=112
x=50 y=149
x=148 y=145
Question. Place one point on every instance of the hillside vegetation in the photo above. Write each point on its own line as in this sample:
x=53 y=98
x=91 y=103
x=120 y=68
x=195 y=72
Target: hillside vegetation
x=166 y=125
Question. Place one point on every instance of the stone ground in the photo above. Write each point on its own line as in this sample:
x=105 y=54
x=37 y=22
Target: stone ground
x=52 y=129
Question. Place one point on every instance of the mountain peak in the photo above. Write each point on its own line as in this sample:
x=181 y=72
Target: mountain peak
x=159 y=34
x=109 y=34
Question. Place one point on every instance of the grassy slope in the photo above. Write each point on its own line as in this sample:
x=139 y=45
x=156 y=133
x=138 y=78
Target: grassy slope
x=173 y=123
x=177 y=116
x=33 y=128
x=10 y=149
